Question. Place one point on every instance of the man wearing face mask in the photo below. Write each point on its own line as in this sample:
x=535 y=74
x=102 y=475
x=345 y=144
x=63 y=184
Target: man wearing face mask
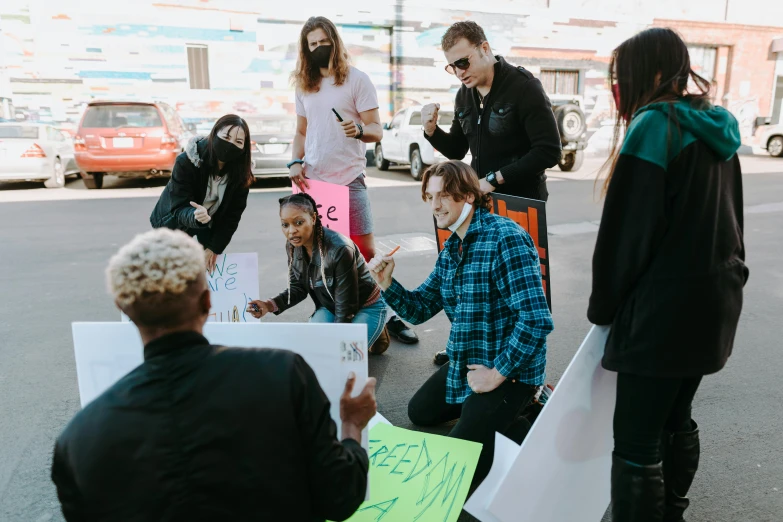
x=502 y=115
x=330 y=150
x=488 y=280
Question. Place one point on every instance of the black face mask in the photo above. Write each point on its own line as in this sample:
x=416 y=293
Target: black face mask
x=226 y=151
x=321 y=55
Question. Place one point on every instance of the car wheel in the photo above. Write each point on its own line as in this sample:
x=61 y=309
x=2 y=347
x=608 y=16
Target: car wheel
x=380 y=162
x=93 y=180
x=570 y=121
x=417 y=165
x=571 y=161
x=775 y=146
x=58 y=176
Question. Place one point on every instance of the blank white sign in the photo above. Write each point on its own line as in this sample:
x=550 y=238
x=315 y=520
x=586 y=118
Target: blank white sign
x=563 y=468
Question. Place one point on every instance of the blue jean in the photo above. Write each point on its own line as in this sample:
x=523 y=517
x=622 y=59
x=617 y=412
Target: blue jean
x=374 y=316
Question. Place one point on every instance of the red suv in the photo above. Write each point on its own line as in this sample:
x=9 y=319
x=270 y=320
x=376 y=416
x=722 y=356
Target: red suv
x=128 y=140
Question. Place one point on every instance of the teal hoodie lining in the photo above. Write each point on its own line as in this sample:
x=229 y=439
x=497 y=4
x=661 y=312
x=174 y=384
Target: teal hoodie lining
x=654 y=137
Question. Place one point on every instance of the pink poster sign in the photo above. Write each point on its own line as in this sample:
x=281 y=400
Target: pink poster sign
x=332 y=201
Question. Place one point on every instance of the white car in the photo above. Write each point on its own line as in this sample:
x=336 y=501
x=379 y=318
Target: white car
x=35 y=152
x=404 y=143
x=771 y=138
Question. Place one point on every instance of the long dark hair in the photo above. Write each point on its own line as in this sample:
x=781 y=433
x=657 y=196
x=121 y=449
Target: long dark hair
x=306 y=202
x=240 y=171
x=307 y=78
x=653 y=66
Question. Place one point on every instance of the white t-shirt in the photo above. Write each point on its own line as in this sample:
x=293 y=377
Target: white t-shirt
x=329 y=155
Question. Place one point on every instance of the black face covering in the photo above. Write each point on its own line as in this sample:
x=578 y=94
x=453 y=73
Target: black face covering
x=226 y=151
x=321 y=55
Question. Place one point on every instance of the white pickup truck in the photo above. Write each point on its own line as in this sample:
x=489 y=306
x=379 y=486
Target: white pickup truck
x=404 y=143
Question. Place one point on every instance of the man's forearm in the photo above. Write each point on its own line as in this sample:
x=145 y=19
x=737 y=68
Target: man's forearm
x=351 y=431
x=298 y=149
x=373 y=133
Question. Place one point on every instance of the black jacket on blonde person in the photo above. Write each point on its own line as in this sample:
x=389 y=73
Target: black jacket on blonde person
x=208 y=433
x=347 y=278
x=669 y=262
x=189 y=180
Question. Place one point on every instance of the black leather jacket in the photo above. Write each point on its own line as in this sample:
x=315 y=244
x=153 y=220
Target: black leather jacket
x=347 y=278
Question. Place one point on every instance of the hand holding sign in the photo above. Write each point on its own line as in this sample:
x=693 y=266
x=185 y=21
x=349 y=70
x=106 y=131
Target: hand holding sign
x=356 y=412
x=201 y=214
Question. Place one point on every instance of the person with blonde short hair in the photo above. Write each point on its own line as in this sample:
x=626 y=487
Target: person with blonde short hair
x=204 y=432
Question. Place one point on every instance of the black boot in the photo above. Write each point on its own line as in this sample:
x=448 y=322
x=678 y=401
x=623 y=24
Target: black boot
x=680 y=462
x=637 y=491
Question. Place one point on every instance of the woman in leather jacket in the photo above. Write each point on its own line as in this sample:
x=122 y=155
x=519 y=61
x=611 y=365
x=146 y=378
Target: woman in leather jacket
x=330 y=269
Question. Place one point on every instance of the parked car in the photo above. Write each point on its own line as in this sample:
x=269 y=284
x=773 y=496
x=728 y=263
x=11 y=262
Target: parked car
x=571 y=123
x=128 y=140
x=271 y=141
x=404 y=143
x=35 y=152
x=771 y=139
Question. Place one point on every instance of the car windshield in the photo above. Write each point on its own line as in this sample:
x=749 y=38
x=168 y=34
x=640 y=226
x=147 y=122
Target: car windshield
x=116 y=116
x=19 y=131
x=282 y=126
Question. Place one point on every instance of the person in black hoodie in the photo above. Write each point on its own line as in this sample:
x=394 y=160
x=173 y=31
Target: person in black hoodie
x=502 y=115
x=208 y=189
x=668 y=268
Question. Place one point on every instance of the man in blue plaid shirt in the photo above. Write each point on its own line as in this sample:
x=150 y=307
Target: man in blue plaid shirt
x=488 y=280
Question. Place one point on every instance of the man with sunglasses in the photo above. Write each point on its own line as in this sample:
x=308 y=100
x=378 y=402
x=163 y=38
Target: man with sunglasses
x=502 y=115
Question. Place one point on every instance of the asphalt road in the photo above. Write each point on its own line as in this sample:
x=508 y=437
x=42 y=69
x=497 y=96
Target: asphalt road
x=56 y=245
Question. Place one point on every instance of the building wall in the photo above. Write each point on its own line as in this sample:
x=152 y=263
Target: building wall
x=57 y=56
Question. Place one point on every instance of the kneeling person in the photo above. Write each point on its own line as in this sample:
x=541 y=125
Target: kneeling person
x=330 y=269
x=202 y=432
x=488 y=280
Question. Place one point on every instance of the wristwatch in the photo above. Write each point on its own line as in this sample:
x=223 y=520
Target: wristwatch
x=361 y=131
x=492 y=179
x=288 y=165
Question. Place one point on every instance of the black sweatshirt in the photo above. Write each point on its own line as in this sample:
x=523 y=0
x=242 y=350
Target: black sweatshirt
x=668 y=267
x=515 y=132
x=201 y=432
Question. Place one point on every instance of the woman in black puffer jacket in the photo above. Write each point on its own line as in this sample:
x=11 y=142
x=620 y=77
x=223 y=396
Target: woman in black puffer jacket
x=209 y=185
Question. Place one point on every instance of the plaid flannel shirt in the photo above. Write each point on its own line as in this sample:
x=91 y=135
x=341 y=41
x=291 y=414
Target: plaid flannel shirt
x=493 y=296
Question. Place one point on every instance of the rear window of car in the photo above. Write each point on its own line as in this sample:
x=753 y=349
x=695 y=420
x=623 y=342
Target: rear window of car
x=272 y=126
x=114 y=116
x=19 y=131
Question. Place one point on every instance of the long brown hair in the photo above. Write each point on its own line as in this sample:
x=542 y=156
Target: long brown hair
x=307 y=77
x=459 y=181
x=306 y=203
x=239 y=171
x=653 y=66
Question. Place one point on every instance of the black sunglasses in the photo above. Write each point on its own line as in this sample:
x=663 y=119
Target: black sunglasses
x=461 y=64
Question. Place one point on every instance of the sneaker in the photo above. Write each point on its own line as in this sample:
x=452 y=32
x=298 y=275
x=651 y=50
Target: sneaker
x=401 y=332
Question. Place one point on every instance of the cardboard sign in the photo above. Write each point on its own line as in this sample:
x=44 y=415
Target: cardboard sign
x=563 y=468
x=233 y=284
x=530 y=214
x=416 y=476
x=332 y=202
x=105 y=352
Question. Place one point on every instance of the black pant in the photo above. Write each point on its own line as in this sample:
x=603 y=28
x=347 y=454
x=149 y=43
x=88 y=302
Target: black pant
x=480 y=416
x=646 y=406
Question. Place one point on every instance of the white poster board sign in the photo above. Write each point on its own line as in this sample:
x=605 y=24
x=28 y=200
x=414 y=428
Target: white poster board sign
x=563 y=468
x=233 y=284
x=105 y=352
